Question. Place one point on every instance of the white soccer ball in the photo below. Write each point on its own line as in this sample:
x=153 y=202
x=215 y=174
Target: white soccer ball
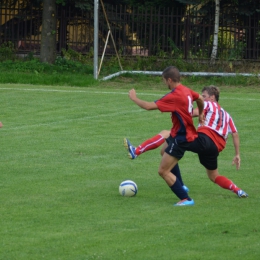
x=128 y=188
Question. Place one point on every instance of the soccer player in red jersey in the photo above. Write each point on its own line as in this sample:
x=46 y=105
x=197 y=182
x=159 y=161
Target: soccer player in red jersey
x=218 y=123
x=179 y=102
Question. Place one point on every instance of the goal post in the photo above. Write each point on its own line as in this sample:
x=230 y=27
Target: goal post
x=96 y=3
x=96 y=14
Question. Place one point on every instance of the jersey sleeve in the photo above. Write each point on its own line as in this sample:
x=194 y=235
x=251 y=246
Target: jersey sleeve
x=231 y=126
x=195 y=95
x=166 y=103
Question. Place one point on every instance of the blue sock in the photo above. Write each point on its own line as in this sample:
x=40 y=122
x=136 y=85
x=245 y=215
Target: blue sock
x=176 y=171
x=179 y=191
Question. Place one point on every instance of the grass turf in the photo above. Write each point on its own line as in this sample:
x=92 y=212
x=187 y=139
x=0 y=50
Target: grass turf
x=62 y=160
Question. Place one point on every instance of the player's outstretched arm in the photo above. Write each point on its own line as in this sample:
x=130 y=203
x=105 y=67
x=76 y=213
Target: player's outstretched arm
x=1 y=125
x=141 y=103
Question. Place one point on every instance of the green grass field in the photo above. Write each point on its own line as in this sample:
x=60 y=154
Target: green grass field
x=62 y=160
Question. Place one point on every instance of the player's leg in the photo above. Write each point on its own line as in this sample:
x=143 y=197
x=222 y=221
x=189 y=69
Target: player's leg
x=175 y=170
x=225 y=183
x=164 y=146
x=153 y=143
x=209 y=159
x=169 y=160
x=149 y=144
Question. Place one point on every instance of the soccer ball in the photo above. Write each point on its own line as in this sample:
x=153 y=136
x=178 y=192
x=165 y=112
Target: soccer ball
x=128 y=188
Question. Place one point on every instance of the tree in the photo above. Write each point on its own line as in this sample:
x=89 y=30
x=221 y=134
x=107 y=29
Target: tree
x=215 y=39
x=48 y=34
x=49 y=27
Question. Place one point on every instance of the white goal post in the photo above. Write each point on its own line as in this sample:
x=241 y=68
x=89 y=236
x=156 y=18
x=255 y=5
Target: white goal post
x=96 y=39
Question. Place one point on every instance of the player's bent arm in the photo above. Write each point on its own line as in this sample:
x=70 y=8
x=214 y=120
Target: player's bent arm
x=195 y=112
x=1 y=124
x=200 y=104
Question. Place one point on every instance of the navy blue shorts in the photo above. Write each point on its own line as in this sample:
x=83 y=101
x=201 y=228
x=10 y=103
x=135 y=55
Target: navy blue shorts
x=175 y=147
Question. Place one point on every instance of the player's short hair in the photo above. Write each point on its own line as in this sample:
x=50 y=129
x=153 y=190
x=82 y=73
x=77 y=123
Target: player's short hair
x=212 y=90
x=172 y=73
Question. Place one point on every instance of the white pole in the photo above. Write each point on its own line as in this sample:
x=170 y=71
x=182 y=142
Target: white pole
x=95 y=39
x=159 y=73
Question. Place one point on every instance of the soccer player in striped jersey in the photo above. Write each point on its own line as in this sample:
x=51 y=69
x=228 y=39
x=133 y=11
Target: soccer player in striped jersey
x=212 y=140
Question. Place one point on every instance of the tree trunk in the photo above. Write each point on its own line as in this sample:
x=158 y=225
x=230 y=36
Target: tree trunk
x=48 y=35
x=216 y=29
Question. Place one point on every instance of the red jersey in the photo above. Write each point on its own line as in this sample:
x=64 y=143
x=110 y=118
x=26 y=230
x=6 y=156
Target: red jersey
x=180 y=103
x=218 y=120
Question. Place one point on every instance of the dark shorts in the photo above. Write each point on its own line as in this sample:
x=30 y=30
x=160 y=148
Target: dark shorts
x=206 y=150
x=176 y=148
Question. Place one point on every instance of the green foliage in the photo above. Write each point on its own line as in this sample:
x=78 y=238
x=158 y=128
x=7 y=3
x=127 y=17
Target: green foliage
x=77 y=56
x=7 y=51
x=58 y=79
x=175 y=51
x=63 y=64
x=30 y=64
x=237 y=53
x=231 y=49
x=75 y=60
x=31 y=70
x=77 y=65
x=62 y=2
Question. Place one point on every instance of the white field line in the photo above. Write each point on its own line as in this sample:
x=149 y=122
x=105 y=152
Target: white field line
x=73 y=91
x=108 y=92
x=71 y=120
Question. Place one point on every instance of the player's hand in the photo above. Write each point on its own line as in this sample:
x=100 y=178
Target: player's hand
x=236 y=161
x=1 y=125
x=132 y=94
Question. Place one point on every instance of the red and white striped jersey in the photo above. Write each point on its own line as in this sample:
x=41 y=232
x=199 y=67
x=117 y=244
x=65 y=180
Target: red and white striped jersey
x=218 y=120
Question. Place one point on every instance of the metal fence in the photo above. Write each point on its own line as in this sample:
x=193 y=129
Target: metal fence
x=137 y=31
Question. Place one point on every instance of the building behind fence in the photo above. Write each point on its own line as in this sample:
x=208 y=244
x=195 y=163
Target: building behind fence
x=160 y=32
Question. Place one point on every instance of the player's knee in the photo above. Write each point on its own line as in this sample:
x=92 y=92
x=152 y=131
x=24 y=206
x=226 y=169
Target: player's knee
x=165 y=133
x=212 y=174
x=162 y=173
